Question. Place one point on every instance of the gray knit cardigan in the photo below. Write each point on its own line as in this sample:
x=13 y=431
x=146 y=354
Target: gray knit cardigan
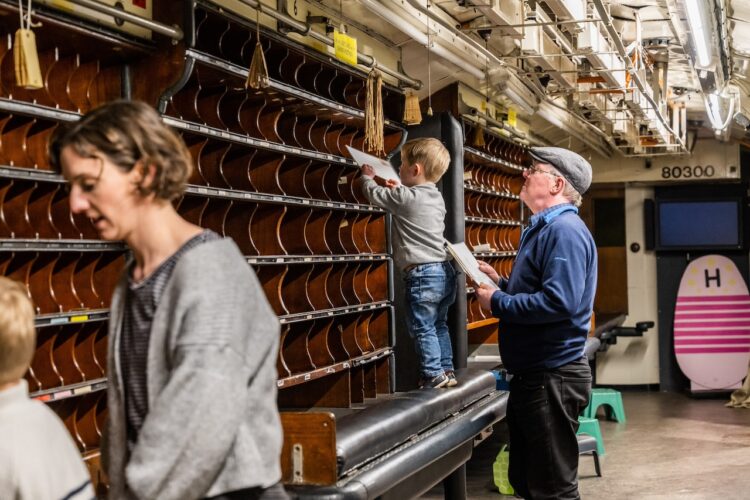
x=212 y=425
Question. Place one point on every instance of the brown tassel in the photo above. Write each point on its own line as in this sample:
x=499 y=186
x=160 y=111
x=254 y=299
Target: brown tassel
x=374 y=113
x=25 y=57
x=412 y=113
x=478 y=140
x=257 y=75
x=28 y=74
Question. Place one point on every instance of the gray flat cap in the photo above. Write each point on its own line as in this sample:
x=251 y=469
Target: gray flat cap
x=573 y=167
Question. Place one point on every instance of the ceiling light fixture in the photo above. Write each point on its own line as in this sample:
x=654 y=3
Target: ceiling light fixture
x=700 y=30
x=713 y=109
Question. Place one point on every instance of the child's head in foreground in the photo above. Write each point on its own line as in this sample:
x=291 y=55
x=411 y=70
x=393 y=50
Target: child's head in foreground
x=17 y=333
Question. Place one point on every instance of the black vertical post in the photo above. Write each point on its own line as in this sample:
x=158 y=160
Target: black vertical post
x=453 y=194
x=454 y=486
x=446 y=128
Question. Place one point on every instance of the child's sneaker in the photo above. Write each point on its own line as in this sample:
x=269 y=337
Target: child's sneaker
x=452 y=382
x=434 y=382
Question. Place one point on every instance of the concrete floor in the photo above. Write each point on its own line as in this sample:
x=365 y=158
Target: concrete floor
x=672 y=447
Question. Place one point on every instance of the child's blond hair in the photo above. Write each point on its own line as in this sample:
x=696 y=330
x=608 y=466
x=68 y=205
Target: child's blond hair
x=17 y=334
x=428 y=152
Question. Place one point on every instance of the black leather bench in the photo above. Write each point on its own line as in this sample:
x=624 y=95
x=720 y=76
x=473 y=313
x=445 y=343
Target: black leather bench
x=400 y=447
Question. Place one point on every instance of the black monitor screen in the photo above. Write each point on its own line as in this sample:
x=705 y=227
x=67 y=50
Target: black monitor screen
x=699 y=224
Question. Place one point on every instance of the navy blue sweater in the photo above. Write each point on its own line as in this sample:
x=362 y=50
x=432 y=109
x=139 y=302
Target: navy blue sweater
x=545 y=307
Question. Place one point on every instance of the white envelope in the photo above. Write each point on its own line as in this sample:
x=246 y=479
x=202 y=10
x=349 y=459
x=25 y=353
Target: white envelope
x=469 y=264
x=382 y=168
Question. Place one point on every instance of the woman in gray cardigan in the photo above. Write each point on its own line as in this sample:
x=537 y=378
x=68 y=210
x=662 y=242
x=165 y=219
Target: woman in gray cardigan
x=192 y=339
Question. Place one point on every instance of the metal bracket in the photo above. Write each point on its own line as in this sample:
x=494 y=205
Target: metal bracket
x=482 y=435
x=297 y=463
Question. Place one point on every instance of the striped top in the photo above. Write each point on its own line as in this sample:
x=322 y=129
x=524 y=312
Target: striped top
x=140 y=306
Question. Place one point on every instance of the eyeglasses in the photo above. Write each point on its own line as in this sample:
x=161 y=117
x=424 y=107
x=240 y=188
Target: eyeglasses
x=87 y=184
x=532 y=169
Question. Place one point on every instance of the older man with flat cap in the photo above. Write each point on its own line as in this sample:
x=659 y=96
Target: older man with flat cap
x=545 y=311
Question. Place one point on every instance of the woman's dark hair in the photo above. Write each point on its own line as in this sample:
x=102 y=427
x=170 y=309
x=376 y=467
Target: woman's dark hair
x=128 y=133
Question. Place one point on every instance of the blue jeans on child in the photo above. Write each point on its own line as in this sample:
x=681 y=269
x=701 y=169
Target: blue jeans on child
x=430 y=291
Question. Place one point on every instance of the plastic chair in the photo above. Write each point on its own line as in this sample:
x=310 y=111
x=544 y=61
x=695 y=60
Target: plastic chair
x=590 y=426
x=588 y=444
x=611 y=399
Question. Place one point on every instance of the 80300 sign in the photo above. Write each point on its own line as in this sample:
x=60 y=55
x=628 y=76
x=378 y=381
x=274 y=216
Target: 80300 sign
x=688 y=172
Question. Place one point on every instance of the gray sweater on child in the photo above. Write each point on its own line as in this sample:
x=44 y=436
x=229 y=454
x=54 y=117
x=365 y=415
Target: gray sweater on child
x=418 y=221
x=212 y=425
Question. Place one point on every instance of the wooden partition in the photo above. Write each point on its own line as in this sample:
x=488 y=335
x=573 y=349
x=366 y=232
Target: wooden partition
x=272 y=172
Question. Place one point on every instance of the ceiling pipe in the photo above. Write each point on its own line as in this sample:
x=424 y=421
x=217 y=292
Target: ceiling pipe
x=617 y=42
x=678 y=31
x=541 y=95
x=489 y=56
x=399 y=22
x=552 y=29
x=390 y=13
x=306 y=30
x=547 y=111
x=474 y=112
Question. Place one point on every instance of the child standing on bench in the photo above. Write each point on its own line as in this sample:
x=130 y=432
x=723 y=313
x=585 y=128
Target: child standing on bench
x=418 y=245
x=38 y=458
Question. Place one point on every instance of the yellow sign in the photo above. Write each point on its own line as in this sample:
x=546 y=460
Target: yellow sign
x=512 y=117
x=345 y=48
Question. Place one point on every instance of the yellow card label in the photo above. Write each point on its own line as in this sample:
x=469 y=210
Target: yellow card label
x=62 y=5
x=345 y=48
x=78 y=319
x=512 y=117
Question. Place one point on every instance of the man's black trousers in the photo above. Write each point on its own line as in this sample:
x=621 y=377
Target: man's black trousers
x=542 y=417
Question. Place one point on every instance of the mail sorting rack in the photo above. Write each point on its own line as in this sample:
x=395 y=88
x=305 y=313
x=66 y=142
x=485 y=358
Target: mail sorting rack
x=274 y=174
x=493 y=178
x=69 y=272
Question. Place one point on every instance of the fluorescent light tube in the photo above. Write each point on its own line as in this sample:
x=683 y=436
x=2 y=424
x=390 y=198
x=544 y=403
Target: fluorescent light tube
x=699 y=28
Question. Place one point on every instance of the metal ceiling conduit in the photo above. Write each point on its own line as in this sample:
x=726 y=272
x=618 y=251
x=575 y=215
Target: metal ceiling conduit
x=617 y=42
x=550 y=112
x=387 y=8
x=306 y=30
x=476 y=115
x=399 y=18
x=489 y=56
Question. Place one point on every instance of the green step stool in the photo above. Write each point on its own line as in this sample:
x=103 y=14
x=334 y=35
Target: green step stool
x=590 y=426
x=609 y=398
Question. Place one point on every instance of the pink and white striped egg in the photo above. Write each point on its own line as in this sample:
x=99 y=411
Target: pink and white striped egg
x=712 y=324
